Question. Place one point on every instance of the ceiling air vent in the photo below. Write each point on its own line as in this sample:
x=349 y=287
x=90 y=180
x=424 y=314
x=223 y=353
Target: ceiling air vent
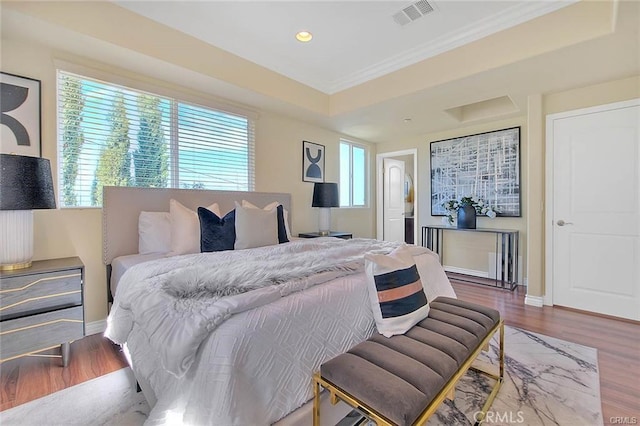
x=412 y=12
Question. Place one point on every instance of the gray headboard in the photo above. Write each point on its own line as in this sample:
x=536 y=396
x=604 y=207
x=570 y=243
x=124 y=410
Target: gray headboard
x=122 y=206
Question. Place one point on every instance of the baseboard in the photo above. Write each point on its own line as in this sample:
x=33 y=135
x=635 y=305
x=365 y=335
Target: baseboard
x=537 y=301
x=474 y=273
x=456 y=270
x=95 y=327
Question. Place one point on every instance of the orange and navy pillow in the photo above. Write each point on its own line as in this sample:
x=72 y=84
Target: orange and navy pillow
x=396 y=292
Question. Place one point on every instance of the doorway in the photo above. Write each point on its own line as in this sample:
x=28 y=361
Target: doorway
x=397 y=196
x=593 y=209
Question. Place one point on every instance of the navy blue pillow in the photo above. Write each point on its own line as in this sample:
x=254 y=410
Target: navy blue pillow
x=282 y=230
x=216 y=234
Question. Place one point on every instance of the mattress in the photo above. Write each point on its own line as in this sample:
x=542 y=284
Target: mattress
x=122 y=263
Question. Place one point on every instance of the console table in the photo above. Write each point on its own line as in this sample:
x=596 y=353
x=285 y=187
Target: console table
x=506 y=251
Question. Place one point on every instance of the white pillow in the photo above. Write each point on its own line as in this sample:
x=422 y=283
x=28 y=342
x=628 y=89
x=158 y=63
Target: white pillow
x=397 y=297
x=154 y=232
x=185 y=227
x=255 y=227
x=434 y=279
x=246 y=204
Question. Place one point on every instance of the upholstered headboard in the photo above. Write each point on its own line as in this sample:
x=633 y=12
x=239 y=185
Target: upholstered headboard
x=122 y=206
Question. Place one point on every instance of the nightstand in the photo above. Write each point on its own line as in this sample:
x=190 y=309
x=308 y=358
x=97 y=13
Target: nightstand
x=41 y=308
x=337 y=234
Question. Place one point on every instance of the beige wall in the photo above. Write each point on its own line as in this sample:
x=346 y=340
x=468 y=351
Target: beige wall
x=468 y=251
x=577 y=98
x=278 y=149
x=279 y=168
x=78 y=232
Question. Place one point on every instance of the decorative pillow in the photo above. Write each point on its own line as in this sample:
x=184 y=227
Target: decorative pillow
x=255 y=227
x=284 y=234
x=154 y=232
x=185 y=227
x=216 y=234
x=396 y=293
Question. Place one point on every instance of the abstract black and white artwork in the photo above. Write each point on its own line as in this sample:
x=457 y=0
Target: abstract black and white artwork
x=312 y=162
x=19 y=115
x=485 y=165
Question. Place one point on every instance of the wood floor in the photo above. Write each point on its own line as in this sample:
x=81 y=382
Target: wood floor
x=617 y=341
x=29 y=378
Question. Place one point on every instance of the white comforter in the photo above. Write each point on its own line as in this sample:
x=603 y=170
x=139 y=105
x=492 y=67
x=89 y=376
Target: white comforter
x=253 y=366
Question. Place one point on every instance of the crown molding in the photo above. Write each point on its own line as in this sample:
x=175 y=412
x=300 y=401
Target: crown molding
x=515 y=15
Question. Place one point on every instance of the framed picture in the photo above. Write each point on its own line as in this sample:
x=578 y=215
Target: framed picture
x=20 y=115
x=485 y=165
x=312 y=162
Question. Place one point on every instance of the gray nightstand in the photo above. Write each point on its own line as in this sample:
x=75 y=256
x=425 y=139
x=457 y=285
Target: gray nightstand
x=41 y=308
x=337 y=234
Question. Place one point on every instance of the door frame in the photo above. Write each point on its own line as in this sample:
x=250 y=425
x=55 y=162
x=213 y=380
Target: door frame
x=549 y=184
x=380 y=190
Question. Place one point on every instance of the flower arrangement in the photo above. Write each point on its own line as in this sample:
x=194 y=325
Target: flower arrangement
x=479 y=205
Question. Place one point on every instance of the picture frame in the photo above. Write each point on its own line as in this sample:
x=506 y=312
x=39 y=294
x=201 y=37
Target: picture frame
x=312 y=162
x=20 y=117
x=485 y=165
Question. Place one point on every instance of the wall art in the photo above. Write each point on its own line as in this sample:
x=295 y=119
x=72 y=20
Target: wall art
x=19 y=115
x=485 y=165
x=312 y=162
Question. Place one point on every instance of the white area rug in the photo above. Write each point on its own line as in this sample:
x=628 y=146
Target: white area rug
x=547 y=382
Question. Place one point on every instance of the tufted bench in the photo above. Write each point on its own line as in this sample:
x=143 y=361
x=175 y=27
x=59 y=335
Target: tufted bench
x=403 y=379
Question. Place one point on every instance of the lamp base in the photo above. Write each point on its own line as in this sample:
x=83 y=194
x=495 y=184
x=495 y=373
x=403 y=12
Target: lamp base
x=15 y=266
x=16 y=246
x=325 y=221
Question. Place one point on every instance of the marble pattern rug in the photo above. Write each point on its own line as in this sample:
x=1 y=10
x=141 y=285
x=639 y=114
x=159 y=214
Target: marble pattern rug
x=547 y=382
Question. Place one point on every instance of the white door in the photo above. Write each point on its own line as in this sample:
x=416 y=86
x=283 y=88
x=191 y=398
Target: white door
x=393 y=200
x=596 y=211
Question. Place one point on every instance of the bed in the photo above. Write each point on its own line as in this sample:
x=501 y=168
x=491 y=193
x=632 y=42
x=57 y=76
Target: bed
x=237 y=357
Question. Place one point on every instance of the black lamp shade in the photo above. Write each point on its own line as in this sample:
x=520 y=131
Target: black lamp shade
x=325 y=195
x=25 y=183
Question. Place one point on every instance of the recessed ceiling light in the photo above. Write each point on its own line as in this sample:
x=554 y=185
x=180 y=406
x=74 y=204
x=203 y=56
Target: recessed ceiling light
x=304 y=36
x=407 y=120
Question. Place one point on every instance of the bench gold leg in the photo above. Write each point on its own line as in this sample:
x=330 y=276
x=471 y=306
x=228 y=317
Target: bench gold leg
x=316 y=401
x=447 y=392
x=494 y=392
x=485 y=348
x=333 y=398
x=452 y=394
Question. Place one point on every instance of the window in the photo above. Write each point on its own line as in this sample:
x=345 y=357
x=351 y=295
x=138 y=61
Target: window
x=353 y=175
x=114 y=135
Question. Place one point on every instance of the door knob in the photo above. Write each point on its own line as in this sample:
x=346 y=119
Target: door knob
x=563 y=223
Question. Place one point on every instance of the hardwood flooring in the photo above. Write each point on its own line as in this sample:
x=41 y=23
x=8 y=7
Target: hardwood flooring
x=617 y=341
x=28 y=378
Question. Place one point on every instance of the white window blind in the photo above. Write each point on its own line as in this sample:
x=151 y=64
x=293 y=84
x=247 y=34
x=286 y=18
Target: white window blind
x=353 y=175
x=113 y=135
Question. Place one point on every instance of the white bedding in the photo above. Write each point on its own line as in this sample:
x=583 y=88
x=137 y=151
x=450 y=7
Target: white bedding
x=256 y=366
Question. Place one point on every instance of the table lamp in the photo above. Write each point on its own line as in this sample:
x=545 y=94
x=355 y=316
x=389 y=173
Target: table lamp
x=325 y=196
x=25 y=185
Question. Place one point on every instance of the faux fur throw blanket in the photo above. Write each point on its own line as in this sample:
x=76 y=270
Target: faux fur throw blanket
x=232 y=277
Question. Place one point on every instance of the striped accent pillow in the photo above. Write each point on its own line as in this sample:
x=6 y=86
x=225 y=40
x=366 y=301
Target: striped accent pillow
x=396 y=292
